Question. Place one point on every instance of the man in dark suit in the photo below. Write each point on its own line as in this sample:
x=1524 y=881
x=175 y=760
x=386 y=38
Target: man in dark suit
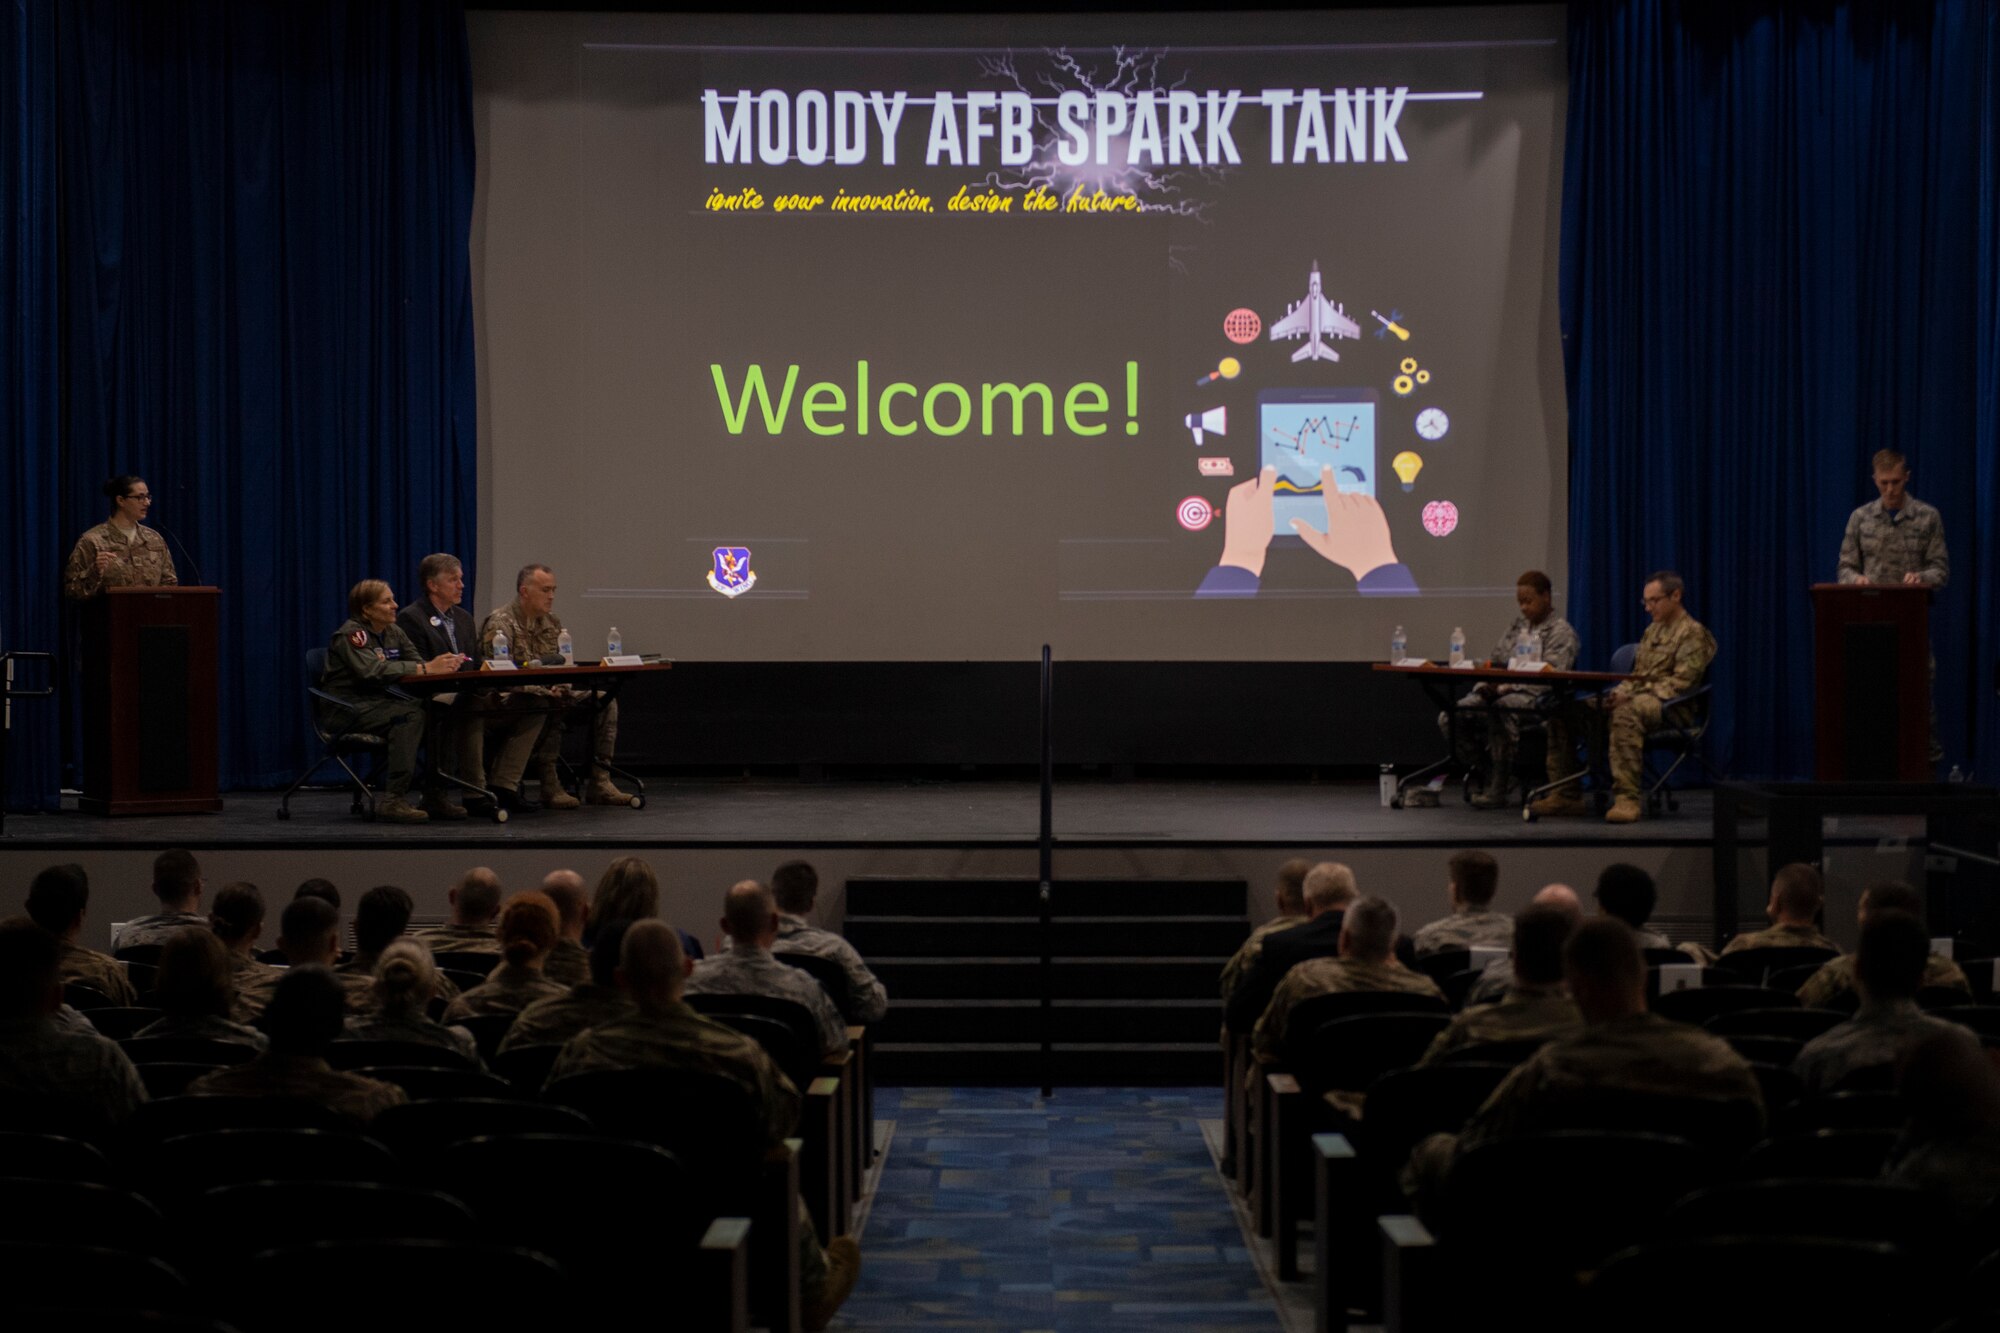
x=459 y=721
x=1329 y=888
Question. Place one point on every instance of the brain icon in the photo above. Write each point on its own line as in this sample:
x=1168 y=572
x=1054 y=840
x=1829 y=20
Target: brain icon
x=1440 y=517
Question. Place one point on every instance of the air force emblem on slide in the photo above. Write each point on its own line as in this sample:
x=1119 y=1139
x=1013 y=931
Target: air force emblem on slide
x=732 y=575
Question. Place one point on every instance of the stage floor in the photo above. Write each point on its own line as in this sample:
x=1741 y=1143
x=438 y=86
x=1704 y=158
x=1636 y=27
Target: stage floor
x=966 y=815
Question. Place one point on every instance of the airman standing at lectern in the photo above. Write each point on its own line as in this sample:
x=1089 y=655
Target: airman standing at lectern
x=1897 y=538
x=120 y=552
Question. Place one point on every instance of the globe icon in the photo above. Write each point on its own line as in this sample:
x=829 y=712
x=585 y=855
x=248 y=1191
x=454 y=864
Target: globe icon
x=1242 y=325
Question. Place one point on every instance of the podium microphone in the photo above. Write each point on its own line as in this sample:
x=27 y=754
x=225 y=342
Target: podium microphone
x=167 y=532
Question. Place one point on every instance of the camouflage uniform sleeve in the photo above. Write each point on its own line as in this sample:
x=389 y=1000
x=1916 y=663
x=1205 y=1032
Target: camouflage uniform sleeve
x=779 y=1098
x=1510 y=1111
x=1850 y=551
x=865 y=990
x=81 y=581
x=1691 y=655
x=495 y=622
x=1239 y=964
x=169 y=576
x=832 y=1027
x=1268 y=1037
x=1561 y=646
x=1936 y=569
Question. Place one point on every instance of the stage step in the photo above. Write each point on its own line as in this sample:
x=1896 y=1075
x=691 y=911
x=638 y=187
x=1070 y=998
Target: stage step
x=1132 y=976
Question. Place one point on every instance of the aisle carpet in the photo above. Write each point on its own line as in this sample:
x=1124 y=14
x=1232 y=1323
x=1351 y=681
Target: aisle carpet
x=1099 y=1209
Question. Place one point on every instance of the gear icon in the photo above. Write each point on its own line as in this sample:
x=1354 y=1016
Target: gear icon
x=1404 y=386
x=1409 y=365
x=1423 y=377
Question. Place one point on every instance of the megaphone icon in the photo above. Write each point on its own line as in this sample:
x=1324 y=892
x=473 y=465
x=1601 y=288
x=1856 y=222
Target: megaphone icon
x=1215 y=419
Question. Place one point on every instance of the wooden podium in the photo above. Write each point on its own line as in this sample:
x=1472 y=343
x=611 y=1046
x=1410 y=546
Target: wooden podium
x=1871 y=650
x=149 y=701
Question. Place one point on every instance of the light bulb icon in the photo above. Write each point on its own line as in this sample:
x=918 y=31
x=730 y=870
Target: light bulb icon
x=1407 y=466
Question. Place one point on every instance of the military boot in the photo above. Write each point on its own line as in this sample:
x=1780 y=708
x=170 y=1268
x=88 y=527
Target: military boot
x=602 y=791
x=1624 y=810
x=397 y=810
x=553 y=795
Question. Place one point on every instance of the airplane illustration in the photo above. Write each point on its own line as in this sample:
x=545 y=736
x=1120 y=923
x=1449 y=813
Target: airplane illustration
x=1315 y=318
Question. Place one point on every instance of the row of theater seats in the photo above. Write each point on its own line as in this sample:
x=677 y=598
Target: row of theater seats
x=178 y=1147
x=1679 y=1175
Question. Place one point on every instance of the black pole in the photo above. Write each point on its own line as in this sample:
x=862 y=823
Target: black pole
x=8 y=694
x=1048 y=861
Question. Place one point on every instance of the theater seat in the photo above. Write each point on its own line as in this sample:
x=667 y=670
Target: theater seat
x=87 y=1277
x=490 y=1286
x=1829 y=1284
x=419 y=1130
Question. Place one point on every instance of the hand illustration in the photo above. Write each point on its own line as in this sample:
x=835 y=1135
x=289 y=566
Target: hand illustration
x=1247 y=522
x=1357 y=532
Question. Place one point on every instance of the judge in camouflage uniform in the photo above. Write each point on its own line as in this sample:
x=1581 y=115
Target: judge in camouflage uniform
x=589 y=1003
x=196 y=990
x=528 y=926
x=1836 y=978
x=304 y=1018
x=1888 y=968
x=1366 y=962
x=308 y=936
x=1622 y=1049
x=1291 y=904
x=1536 y=1007
x=533 y=633
x=1797 y=894
x=53 y=1075
x=119 y=553
x=795 y=887
x=475 y=902
x=177 y=884
x=56 y=900
x=1472 y=878
x=1489 y=717
x=365 y=658
x=1897 y=539
x=1673 y=656
x=747 y=966
x=569 y=962
x=664 y=1033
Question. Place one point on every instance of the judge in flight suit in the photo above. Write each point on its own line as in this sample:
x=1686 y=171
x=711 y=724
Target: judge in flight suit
x=366 y=656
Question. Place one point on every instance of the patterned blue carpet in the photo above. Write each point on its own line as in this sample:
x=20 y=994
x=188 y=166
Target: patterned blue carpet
x=1099 y=1209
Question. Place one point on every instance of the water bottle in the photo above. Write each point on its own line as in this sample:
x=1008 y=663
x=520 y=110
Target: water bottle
x=1535 y=648
x=500 y=646
x=614 y=644
x=1457 y=646
x=1522 y=648
x=1399 y=646
x=1386 y=783
x=566 y=648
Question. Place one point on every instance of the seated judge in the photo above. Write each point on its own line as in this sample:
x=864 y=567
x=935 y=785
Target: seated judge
x=438 y=624
x=367 y=655
x=120 y=552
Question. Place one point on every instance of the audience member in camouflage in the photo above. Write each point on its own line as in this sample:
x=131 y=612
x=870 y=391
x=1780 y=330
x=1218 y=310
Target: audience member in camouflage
x=120 y=552
x=1489 y=717
x=1622 y=1049
x=303 y=1019
x=380 y=918
x=664 y=1033
x=795 y=887
x=57 y=900
x=475 y=906
x=308 y=937
x=1536 y=1007
x=747 y=967
x=1888 y=968
x=1672 y=659
x=237 y=918
x=585 y=1005
x=1836 y=978
x=1950 y=1146
x=1472 y=878
x=533 y=637
x=1291 y=907
x=53 y=1076
x=1366 y=962
x=568 y=962
x=1797 y=895
x=398 y=1004
x=177 y=884
x=365 y=657
x=196 y=990
x=528 y=926
x=1497 y=978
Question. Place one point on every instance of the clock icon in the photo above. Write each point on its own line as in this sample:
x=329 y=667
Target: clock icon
x=1432 y=423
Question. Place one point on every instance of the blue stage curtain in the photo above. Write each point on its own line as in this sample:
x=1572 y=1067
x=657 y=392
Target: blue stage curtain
x=28 y=414
x=266 y=213
x=1778 y=257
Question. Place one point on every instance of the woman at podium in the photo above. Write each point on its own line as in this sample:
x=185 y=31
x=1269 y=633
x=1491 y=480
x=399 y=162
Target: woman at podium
x=120 y=552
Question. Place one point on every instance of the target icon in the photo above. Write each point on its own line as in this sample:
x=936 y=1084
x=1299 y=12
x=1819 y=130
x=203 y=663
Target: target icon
x=1242 y=325
x=1195 y=513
